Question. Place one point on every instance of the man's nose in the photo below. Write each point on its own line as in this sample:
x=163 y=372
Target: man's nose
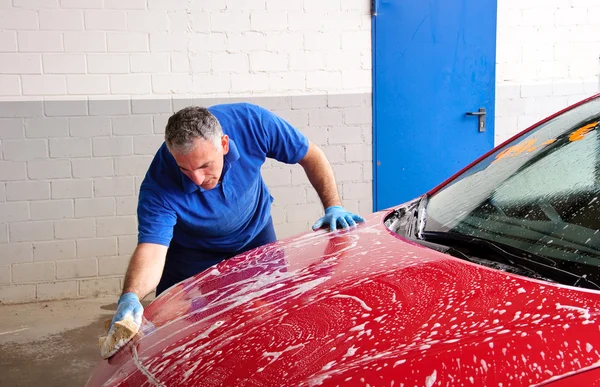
x=198 y=177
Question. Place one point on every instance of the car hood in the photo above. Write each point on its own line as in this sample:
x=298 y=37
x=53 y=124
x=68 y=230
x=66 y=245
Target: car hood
x=364 y=305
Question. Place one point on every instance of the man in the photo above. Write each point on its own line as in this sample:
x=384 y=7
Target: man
x=203 y=198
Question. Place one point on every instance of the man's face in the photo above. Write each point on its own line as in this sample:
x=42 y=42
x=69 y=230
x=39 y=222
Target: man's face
x=204 y=164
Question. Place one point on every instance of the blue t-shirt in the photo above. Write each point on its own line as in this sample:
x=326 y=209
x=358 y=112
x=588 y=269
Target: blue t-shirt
x=174 y=210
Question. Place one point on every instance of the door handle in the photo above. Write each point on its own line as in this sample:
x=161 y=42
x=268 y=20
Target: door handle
x=481 y=114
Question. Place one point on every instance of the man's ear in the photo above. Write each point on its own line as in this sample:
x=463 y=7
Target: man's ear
x=225 y=143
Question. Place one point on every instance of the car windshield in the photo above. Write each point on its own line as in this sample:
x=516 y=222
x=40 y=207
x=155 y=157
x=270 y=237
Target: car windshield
x=539 y=194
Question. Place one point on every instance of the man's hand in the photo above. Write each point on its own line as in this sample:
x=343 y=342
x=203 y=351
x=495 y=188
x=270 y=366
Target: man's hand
x=337 y=215
x=128 y=305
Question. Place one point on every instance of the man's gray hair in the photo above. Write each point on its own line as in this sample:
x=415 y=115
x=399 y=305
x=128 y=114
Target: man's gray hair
x=189 y=124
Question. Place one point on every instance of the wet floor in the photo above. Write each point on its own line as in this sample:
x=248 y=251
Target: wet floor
x=51 y=343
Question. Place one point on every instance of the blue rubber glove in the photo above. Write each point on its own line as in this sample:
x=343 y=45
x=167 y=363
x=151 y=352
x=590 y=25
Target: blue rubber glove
x=128 y=304
x=337 y=215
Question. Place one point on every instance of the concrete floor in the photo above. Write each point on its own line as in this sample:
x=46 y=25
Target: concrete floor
x=51 y=343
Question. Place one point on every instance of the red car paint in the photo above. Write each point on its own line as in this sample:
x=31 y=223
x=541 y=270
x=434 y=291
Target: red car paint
x=364 y=307
x=361 y=307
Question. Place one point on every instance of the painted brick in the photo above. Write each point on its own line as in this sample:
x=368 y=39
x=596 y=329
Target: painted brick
x=149 y=63
x=10 y=171
x=130 y=84
x=10 y=85
x=57 y=290
x=287 y=81
x=288 y=5
x=356 y=190
x=278 y=214
x=147 y=21
x=334 y=153
x=205 y=83
x=99 y=287
x=345 y=135
x=108 y=63
x=113 y=265
x=67 y=189
x=356 y=79
x=200 y=21
x=316 y=134
x=8 y=41
x=286 y=230
x=46 y=127
x=27 y=190
x=16 y=253
x=14 y=294
x=127 y=42
x=368 y=171
x=36 y=3
x=109 y=107
x=356 y=40
x=151 y=105
x=5 y=275
x=82 y=4
x=78 y=268
x=83 y=168
x=228 y=62
x=70 y=147
x=3 y=233
x=325 y=117
x=65 y=108
x=288 y=195
x=307 y=21
x=105 y=20
x=127 y=206
x=172 y=83
x=53 y=251
x=74 y=228
x=197 y=62
x=249 y=82
x=321 y=6
x=127 y=244
x=61 y=20
x=147 y=145
x=305 y=61
x=122 y=225
x=273 y=103
x=322 y=41
x=84 y=41
x=348 y=172
x=323 y=80
x=113 y=146
x=31 y=231
x=97 y=247
x=304 y=213
x=132 y=125
x=13 y=19
x=39 y=41
x=128 y=166
x=275 y=177
x=230 y=21
x=268 y=21
x=178 y=20
x=265 y=61
x=44 y=84
x=89 y=126
x=355 y=152
x=45 y=169
x=309 y=102
x=10 y=109
x=14 y=212
x=125 y=4
x=87 y=84
x=356 y=115
x=299 y=177
x=117 y=186
x=87 y=208
x=247 y=41
x=365 y=207
x=213 y=42
x=2 y=192
x=51 y=210
x=169 y=41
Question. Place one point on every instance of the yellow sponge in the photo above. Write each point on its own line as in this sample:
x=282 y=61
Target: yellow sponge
x=120 y=334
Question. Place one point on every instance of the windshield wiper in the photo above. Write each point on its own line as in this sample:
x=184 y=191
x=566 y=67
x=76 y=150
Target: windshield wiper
x=512 y=256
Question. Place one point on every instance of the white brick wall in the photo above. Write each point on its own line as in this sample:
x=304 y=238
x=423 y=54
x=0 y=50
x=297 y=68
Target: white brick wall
x=548 y=57
x=86 y=88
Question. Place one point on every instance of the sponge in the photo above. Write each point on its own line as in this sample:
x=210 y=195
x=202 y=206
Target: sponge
x=120 y=334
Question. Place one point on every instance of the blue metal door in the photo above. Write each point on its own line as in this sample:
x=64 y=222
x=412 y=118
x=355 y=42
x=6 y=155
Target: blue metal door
x=434 y=62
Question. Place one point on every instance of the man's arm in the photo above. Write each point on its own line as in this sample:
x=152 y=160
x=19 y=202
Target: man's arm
x=320 y=174
x=145 y=269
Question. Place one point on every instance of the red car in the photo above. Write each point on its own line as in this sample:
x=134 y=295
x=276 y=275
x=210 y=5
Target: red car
x=491 y=279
